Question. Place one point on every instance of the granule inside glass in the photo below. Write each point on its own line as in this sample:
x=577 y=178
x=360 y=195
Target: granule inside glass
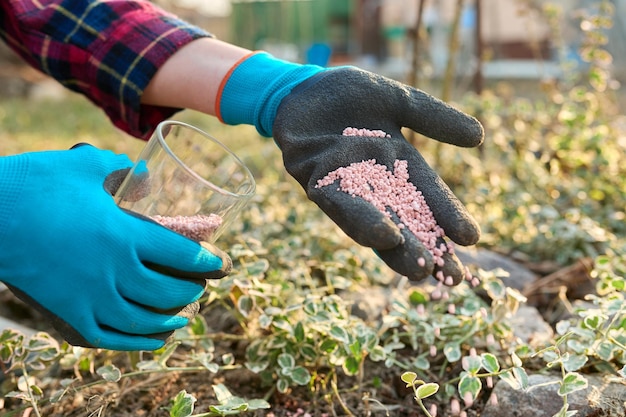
x=199 y=227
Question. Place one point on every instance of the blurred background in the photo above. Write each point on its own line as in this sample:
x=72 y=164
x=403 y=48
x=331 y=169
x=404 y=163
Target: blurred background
x=469 y=43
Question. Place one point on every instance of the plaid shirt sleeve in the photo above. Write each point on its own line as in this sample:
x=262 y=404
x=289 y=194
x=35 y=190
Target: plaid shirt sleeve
x=107 y=50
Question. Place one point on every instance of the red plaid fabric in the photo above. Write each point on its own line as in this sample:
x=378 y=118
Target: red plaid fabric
x=107 y=50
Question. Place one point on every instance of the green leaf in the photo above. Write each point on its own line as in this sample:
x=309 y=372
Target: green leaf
x=259 y=267
x=426 y=390
x=198 y=325
x=298 y=332
x=563 y=327
x=574 y=362
x=222 y=393
x=265 y=321
x=228 y=359
x=41 y=341
x=183 y=405
x=109 y=373
x=572 y=382
x=510 y=379
x=605 y=350
x=417 y=297
x=452 y=351
x=355 y=349
x=282 y=385
x=308 y=352
x=328 y=345
x=472 y=364
x=226 y=409
x=593 y=321
x=495 y=289
x=377 y=354
x=300 y=375
x=17 y=394
x=421 y=363
x=340 y=334
x=469 y=383
x=351 y=365
x=36 y=391
x=409 y=378
x=245 y=305
x=310 y=307
x=285 y=360
x=521 y=376
x=258 y=404
x=490 y=362
x=283 y=324
x=166 y=352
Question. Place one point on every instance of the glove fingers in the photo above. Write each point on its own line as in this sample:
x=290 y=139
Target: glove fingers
x=438 y=120
x=452 y=272
x=448 y=210
x=360 y=220
x=410 y=258
x=172 y=254
x=134 y=319
x=160 y=291
x=107 y=161
x=120 y=341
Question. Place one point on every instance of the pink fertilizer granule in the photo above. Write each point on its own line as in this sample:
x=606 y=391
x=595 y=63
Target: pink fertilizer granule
x=392 y=190
x=353 y=131
x=198 y=227
x=387 y=190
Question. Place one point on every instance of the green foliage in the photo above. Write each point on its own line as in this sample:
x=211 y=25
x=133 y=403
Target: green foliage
x=549 y=180
x=229 y=404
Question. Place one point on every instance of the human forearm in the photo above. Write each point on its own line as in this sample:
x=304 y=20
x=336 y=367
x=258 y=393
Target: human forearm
x=191 y=77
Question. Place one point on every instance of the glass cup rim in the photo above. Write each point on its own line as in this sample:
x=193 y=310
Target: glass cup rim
x=159 y=136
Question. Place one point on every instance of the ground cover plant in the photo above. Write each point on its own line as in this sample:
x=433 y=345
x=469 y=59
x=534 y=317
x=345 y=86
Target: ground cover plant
x=310 y=323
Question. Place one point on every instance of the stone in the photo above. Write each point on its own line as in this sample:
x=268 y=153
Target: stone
x=602 y=398
x=529 y=326
x=519 y=276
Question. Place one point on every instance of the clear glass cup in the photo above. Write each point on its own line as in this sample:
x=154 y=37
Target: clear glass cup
x=188 y=181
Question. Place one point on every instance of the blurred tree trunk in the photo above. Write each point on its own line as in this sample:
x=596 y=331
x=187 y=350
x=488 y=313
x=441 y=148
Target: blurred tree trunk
x=413 y=78
x=478 y=76
x=449 y=75
x=453 y=49
x=415 y=64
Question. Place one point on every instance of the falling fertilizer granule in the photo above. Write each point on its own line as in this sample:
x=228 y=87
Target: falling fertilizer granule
x=198 y=227
x=393 y=191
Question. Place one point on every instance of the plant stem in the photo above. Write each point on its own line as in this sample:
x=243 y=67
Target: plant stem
x=333 y=384
x=423 y=407
x=31 y=396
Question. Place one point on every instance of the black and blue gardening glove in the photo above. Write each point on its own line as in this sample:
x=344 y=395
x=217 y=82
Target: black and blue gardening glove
x=306 y=109
x=104 y=277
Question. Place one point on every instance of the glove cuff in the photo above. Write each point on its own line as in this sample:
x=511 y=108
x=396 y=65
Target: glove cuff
x=254 y=87
x=13 y=170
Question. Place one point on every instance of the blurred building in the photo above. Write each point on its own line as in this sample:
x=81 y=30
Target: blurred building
x=516 y=40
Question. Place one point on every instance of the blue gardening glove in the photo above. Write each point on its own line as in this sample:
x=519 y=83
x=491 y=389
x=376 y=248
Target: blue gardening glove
x=306 y=108
x=105 y=278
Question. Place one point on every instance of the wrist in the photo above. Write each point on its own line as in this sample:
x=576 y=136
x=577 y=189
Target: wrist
x=254 y=88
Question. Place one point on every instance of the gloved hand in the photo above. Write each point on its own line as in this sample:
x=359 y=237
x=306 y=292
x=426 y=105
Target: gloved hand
x=306 y=109
x=106 y=278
